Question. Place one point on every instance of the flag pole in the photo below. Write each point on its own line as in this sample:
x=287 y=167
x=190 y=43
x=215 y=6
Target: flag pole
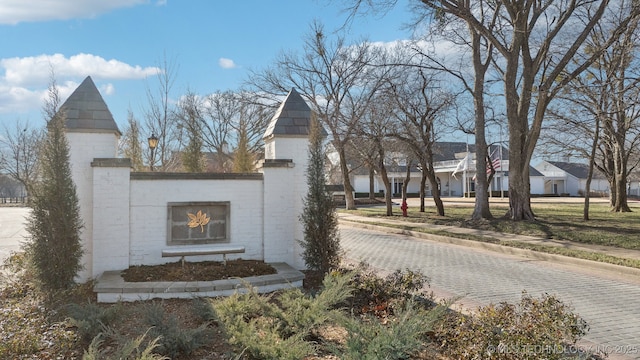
x=485 y=173
x=465 y=185
x=501 y=169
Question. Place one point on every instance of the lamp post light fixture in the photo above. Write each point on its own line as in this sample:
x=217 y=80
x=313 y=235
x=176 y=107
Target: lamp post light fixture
x=153 y=143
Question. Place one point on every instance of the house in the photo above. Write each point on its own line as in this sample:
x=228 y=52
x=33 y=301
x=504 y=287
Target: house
x=565 y=178
x=454 y=164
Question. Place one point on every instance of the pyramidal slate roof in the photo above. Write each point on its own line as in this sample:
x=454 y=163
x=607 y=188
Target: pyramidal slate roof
x=86 y=111
x=292 y=117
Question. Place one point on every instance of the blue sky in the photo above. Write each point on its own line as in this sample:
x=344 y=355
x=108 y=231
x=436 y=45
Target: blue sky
x=120 y=43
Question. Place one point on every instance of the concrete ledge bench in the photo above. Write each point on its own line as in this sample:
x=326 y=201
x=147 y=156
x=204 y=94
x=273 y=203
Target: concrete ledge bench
x=217 y=250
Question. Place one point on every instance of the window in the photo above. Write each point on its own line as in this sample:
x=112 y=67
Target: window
x=198 y=223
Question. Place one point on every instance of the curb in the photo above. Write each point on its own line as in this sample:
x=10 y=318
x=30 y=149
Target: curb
x=531 y=254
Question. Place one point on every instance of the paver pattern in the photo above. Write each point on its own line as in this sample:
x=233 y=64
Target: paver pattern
x=609 y=305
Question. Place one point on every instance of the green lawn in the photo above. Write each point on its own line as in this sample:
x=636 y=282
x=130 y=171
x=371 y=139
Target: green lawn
x=556 y=221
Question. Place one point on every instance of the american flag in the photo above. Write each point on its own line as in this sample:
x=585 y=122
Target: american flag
x=495 y=162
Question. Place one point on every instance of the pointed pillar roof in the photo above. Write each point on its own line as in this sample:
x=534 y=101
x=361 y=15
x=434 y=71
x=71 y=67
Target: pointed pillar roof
x=86 y=111
x=292 y=118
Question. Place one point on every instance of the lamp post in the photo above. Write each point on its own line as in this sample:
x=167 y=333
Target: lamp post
x=153 y=143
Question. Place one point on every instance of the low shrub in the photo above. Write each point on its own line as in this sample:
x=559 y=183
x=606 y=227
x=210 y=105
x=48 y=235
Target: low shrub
x=131 y=350
x=374 y=294
x=174 y=340
x=291 y=324
x=396 y=338
x=269 y=328
x=531 y=329
x=91 y=319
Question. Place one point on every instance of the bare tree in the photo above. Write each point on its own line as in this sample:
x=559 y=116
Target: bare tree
x=617 y=70
x=189 y=116
x=599 y=117
x=160 y=118
x=254 y=120
x=375 y=129
x=19 y=156
x=538 y=43
x=333 y=76
x=222 y=110
x=130 y=143
x=417 y=106
x=11 y=188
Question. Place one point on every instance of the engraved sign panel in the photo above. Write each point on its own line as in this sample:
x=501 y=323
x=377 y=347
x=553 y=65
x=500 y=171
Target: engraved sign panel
x=198 y=223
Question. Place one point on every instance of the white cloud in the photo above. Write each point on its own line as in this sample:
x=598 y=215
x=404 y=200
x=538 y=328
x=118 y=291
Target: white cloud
x=227 y=63
x=108 y=89
x=34 y=70
x=17 y=11
x=24 y=84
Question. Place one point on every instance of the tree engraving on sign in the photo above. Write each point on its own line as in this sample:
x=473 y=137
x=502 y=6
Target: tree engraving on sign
x=199 y=219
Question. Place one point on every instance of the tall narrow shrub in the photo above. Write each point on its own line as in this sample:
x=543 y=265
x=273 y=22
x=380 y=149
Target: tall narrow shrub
x=321 y=239
x=243 y=161
x=54 y=224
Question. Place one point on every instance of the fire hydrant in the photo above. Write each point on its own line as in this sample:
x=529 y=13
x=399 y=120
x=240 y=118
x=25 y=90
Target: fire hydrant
x=404 y=208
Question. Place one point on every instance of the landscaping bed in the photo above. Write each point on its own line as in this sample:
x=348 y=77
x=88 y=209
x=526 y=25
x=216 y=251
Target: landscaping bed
x=349 y=314
x=197 y=271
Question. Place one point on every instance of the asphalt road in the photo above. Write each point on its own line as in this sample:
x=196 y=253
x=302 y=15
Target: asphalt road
x=606 y=301
x=12 y=230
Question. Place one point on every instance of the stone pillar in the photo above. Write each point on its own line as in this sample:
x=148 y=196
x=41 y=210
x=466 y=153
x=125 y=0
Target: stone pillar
x=111 y=186
x=285 y=187
x=83 y=148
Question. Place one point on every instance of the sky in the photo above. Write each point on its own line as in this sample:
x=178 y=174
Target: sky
x=121 y=44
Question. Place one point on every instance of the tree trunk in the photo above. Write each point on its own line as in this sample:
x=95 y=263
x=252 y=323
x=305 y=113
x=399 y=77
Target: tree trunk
x=350 y=203
x=519 y=182
x=520 y=151
x=620 y=204
x=481 y=208
x=372 y=174
x=612 y=192
x=620 y=176
x=387 y=193
x=423 y=184
x=405 y=184
x=592 y=160
x=519 y=195
x=436 y=193
x=385 y=179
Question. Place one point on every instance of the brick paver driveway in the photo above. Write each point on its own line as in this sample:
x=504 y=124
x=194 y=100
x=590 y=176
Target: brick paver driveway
x=608 y=303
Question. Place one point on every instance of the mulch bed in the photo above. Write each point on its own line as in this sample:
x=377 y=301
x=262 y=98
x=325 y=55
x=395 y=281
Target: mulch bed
x=197 y=271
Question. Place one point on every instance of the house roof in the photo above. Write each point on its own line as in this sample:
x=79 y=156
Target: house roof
x=292 y=117
x=447 y=150
x=580 y=171
x=86 y=111
x=534 y=172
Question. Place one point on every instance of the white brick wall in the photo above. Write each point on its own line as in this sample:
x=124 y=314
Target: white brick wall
x=283 y=220
x=110 y=219
x=149 y=213
x=126 y=221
